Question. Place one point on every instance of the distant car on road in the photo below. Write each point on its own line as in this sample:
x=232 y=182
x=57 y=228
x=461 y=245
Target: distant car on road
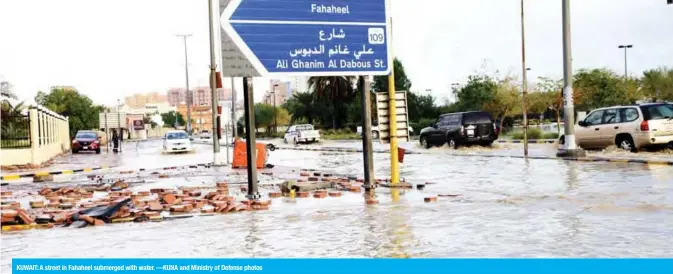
x=86 y=140
x=628 y=127
x=205 y=134
x=301 y=134
x=458 y=129
x=177 y=141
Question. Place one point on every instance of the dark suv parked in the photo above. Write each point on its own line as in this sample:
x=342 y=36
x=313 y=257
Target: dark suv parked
x=457 y=129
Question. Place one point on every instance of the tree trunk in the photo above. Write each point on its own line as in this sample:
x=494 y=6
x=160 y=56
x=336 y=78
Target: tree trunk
x=502 y=118
x=558 y=121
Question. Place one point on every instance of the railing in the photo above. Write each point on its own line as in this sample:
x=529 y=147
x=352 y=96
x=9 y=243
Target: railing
x=15 y=131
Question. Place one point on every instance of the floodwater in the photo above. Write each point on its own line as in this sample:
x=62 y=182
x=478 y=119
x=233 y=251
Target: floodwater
x=509 y=207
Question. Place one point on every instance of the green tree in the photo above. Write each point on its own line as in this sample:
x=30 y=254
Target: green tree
x=401 y=81
x=599 y=88
x=505 y=102
x=82 y=113
x=658 y=83
x=169 y=118
x=551 y=97
x=302 y=106
x=334 y=91
x=479 y=91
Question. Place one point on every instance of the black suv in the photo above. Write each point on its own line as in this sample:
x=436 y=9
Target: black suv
x=457 y=129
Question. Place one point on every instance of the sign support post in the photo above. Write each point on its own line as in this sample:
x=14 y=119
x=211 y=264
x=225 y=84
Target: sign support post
x=250 y=140
x=367 y=152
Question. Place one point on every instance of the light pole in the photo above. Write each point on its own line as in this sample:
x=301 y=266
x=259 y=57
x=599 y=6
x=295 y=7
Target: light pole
x=524 y=83
x=626 y=71
x=275 y=115
x=213 y=85
x=570 y=148
x=188 y=93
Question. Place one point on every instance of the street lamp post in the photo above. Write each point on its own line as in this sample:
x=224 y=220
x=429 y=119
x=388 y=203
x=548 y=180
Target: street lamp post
x=275 y=115
x=625 y=47
x=213 y=86
x=188 y=93
x=524 y=83
x=570 y=148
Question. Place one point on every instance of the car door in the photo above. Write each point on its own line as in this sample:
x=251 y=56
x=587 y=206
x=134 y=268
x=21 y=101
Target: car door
x=454 y=124
x=609 y=127
x=434 y=133
x=588 y=135
x=288 y=134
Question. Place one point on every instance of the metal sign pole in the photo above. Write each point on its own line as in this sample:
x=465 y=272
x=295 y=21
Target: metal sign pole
x=367 y=152
x=250 y=139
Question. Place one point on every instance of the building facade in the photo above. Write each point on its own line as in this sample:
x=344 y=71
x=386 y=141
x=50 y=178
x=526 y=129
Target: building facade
x=279 y=92
x=201 y=96
x=300 y=84
x=140 y=100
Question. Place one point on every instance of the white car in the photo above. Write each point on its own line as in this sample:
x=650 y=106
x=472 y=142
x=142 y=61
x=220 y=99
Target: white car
x=177 y=141
x=205 y=134
x=301 y=134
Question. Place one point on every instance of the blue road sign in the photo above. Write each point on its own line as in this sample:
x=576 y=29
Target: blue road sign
x=311 y=37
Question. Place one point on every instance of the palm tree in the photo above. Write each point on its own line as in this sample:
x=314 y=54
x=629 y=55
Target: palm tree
x=337 y=90
x=302 y=105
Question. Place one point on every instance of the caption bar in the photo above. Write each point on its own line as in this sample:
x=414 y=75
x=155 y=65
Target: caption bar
x=346 y=266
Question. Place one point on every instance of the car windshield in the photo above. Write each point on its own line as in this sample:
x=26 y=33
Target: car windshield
x=204 y=131
x=477 y=118
x=304 y=127
x=657 y=112
x=86 y=135
x=176 y=135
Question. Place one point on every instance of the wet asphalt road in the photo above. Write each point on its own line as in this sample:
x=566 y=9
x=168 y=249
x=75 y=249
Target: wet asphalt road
x=509 y=207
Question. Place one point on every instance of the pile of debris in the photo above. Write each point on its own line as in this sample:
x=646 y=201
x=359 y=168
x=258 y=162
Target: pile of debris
x=99 y=205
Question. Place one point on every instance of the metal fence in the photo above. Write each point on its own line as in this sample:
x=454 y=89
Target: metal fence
x=15 y=132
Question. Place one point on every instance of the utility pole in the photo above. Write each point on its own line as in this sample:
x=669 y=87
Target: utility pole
x=188 y=93
x=213 y=85
x=275 y=115
x=524 y=83
x=626 y=71
x=570 y=148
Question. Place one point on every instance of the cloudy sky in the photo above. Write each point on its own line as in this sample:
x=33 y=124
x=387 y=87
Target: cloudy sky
x=110 y=49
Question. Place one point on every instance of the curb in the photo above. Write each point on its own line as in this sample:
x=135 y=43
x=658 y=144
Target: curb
x=126 y=171
x=531 y=141
x=585 y=159
x=12 y=177
x=345 y=150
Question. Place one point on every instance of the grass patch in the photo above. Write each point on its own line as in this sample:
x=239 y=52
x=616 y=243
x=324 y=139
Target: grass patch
x=339 y=134
x=533 y=134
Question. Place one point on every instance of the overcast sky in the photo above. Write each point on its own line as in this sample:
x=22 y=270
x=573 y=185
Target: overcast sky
x=111 y=49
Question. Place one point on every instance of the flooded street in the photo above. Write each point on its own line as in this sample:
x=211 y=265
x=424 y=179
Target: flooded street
x=509 y=207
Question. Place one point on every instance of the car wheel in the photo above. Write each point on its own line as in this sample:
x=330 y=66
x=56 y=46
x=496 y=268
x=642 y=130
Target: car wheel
x=487 y=143
x=452 y=143
x=98 y=151
x=74 y=151
x=295 y=141
x=562 y=140
x=284 y=140
x=625 y=142
x=424 y=142
x=375 y=134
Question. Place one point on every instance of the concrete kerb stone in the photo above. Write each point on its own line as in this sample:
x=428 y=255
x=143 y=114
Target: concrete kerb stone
x=584 y=159
x=530 y=141
x=12 y=177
